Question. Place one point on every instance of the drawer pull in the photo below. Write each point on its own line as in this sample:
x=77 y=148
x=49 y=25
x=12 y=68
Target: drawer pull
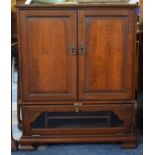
x=77 y=109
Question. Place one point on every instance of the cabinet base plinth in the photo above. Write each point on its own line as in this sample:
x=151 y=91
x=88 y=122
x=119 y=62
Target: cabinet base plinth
x=26 y=142
x=25 y=147
x=129 y=145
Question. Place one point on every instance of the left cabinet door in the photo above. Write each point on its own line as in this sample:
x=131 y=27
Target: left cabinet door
x=48 y=60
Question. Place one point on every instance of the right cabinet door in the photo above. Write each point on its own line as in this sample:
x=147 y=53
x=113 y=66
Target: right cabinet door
x=106 y=54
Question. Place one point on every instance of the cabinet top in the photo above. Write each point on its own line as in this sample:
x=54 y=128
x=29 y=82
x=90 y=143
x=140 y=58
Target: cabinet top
x=75 y=5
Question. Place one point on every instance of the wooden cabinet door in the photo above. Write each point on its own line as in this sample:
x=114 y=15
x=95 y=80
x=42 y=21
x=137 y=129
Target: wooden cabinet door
x=48 y=67
x=106 y=56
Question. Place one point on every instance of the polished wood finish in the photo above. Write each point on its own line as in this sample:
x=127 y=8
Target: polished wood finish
x=119 y=109
x=77 y=58
x=127 y=139
x=130 y=145
x=141 y=12
x=106 y=67
x=25 y=147
x=13 y=25
x=49 y=70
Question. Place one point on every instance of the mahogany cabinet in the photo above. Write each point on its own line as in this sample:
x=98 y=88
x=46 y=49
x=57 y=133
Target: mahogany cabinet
x=77 y=73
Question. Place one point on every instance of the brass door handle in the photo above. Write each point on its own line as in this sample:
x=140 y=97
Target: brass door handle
x=73 y=51
x=82 y=50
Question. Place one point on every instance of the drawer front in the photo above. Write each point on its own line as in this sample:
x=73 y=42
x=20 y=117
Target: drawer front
x=78 y=119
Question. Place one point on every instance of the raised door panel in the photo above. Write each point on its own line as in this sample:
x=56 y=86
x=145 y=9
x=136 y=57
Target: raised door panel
x=48 y=69
x=107 y=64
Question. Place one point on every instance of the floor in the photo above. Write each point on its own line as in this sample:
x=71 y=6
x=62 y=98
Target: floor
x=84 y=149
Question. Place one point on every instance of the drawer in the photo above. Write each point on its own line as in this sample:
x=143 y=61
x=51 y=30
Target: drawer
x=78 y=119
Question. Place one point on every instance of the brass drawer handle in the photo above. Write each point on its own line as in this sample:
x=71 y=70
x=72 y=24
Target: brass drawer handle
x=77 y=109
x=77 y=106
